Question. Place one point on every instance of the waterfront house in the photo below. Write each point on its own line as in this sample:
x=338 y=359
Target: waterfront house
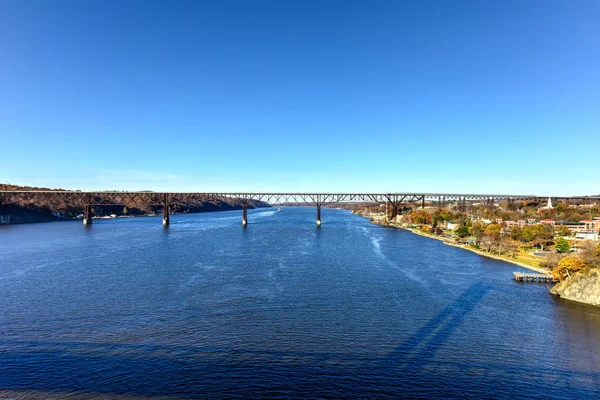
x=452 y=226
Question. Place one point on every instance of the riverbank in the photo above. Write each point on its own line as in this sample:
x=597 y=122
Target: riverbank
x=531 y=266
x=511 y=260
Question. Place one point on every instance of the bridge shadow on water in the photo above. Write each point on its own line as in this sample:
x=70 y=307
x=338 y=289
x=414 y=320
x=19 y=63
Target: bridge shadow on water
x=118 y=369
x=421 y=347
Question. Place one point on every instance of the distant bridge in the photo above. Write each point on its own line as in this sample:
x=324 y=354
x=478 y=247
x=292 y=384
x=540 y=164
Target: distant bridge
x=87 y=199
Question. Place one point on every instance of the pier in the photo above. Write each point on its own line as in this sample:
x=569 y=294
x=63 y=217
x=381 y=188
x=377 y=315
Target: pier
x=532 y=277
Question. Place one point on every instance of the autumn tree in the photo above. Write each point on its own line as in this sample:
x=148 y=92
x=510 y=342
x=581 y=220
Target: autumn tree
x=568 y=266
x=478 y=230
x=487 y=242
x=562 y=230
x=511 y=247
x=493 y=231
x=591 y=254
x=551 y=261
x=515 y=232
x=420 y=217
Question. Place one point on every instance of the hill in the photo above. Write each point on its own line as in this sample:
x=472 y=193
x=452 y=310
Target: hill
x=47 y=211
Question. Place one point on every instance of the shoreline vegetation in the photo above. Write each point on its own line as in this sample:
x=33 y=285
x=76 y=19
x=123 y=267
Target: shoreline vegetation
x=576 y=277
x=533 y=265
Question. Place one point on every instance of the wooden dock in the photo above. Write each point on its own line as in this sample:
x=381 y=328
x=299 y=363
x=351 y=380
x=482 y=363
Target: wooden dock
x=532 y=277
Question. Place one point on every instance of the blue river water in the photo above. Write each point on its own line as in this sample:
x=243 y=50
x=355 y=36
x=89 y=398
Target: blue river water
x=208 y=309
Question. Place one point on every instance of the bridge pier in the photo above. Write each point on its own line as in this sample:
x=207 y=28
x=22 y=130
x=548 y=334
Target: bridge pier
x=244 y=215
x=4 y=219
x=166 y=211
x=318 y=215
x=87 y=214
x=395 y=206
x=166 y=215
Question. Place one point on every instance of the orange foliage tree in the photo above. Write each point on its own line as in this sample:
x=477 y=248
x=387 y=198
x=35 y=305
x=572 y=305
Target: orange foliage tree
x=567 y=266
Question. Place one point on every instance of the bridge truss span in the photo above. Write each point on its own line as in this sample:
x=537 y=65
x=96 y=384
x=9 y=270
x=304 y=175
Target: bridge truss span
x=87 y=199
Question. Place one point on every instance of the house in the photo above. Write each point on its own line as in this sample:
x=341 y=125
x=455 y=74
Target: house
x=591 y=224
x=510 y=224
x=452 y=226
x=589 y=235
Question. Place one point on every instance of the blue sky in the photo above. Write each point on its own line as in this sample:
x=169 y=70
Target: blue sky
x=395 y=96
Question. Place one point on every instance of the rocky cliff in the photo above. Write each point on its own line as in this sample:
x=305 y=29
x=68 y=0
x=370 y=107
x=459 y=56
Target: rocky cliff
x=583 y=286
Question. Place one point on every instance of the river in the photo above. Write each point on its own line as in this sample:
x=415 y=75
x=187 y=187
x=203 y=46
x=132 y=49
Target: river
x=281 y=308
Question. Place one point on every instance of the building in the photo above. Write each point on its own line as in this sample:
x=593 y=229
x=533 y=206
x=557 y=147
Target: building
x=591 y=224
x=452 y=226
x=510 y=224
x=589 y=235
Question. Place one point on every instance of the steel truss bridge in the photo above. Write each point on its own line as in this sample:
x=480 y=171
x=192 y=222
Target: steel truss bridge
x=165 y=199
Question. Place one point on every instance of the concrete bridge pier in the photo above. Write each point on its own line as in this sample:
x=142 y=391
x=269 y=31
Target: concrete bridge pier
x=88 y=213
x=4 y=219
x=166 y=211
x=318 y=215
x=394 y=211
x=245 y=215
x=166 y=215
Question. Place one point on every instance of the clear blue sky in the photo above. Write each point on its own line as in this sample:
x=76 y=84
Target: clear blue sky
x=461 y=96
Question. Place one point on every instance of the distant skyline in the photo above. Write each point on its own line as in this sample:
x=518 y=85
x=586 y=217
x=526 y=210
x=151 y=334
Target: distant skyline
x=387 y=96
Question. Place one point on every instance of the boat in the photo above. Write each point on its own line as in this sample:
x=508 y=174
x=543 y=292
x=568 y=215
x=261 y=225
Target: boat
x=279 y=210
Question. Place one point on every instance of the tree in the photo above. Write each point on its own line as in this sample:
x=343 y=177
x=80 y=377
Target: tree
x=493 y=231
x=562 y=245
x=562 y=230
x=528 y=233
x=487 y=241
x=543 y=235
x=511 y=247
x=591 y=254
x=462 y=231
x=551 y=261
x=420 y=217
x=567 y=266
x=478 y=230
x=515 y=232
